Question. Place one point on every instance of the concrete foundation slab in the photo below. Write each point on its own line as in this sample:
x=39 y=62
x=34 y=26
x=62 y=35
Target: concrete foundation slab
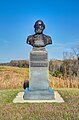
x=19 y=99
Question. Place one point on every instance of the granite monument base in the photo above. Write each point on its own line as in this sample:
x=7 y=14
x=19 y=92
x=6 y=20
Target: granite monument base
x=39 y=95
x=38 y=77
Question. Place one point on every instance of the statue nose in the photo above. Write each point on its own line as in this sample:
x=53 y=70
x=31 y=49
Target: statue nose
x=39 y=27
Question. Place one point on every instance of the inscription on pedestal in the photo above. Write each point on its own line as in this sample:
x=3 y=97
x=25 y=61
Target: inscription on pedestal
x=38 y=64
x=38 y=56
x=38 y=59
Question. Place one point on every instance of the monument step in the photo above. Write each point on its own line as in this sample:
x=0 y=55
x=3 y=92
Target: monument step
x=39 y=95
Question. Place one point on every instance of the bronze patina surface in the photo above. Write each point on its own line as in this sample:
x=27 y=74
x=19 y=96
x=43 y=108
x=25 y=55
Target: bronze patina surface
x=39 y=40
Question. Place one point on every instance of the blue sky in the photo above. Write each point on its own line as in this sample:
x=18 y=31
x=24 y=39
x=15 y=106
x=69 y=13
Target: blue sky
x=17 y=18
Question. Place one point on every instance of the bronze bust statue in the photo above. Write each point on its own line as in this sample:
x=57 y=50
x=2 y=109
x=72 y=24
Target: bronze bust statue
x=39 y=40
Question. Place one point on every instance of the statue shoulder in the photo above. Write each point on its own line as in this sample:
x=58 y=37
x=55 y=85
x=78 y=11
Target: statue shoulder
x=30 y=39
x=48 y=39
x=47 y=36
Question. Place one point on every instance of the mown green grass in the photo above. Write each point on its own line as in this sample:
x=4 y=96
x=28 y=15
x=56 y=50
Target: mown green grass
x=69 y=110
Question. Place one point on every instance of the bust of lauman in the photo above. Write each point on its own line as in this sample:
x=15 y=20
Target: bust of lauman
x=39 y=40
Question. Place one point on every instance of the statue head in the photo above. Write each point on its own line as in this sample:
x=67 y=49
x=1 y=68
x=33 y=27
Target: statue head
x=39 y=26
x=39 y=39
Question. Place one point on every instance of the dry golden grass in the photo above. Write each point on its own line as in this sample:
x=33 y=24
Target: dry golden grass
x=13 y=77
x=63 y=83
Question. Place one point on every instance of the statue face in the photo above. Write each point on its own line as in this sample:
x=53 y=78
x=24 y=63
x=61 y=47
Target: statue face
x=39 y=27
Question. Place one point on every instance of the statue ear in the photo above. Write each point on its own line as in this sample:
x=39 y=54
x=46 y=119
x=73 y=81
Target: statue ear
x=34 y=26
x=43 y=26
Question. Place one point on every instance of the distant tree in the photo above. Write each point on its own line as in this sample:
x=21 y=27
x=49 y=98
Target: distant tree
x=54 y=68
x=76 y=53
x=19 y=63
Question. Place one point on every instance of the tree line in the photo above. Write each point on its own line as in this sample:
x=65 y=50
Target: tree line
x=17 y=63
x=68 y=68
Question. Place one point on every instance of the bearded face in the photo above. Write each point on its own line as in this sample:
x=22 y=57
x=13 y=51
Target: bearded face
x=39 y=27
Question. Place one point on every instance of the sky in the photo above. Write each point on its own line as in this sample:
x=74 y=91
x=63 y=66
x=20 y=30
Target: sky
x=17 y=18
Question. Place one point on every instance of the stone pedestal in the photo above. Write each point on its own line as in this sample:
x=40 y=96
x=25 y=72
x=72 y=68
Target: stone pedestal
x=38 y=70
x=38 y=77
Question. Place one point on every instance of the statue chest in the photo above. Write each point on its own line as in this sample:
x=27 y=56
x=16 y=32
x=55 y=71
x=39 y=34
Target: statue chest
x=39 y=40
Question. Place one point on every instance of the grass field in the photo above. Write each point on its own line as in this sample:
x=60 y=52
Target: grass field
x=69 y=110
x=11 y=82
x=13 y=77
